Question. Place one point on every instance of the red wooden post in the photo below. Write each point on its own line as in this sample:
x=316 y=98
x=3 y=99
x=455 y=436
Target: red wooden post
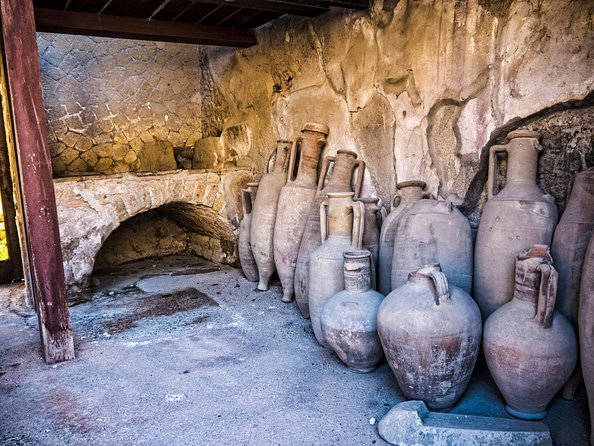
x=39 y=203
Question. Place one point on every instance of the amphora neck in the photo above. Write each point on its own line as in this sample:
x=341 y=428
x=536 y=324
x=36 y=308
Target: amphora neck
x=357 y=271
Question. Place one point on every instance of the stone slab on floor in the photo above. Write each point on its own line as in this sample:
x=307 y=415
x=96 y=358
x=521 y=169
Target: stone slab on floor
x=200 y=358
x=410 y=423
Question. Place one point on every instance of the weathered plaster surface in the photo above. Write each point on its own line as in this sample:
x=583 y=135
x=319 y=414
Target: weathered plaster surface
x=417 y=88
x=91 y=208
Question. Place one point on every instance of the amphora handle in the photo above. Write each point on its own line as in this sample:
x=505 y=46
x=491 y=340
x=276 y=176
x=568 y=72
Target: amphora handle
x=327 y=161
x=324 y=219
x=292 y=158
x=285 y=146
x=358 y=185
x=246 y=202
x=547 y=295
x=440 y=282
x=493 y=150
x=358 y=225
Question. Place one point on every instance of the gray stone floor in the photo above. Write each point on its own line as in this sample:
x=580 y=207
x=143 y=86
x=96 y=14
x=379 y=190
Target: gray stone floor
x=179 y=351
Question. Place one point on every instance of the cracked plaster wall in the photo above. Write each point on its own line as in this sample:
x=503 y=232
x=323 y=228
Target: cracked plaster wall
x=419 y=89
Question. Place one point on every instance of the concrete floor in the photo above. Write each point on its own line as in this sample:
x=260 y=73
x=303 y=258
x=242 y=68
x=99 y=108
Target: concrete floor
x=179 y=351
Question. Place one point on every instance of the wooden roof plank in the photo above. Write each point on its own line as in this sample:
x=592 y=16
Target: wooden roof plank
x=68 y=22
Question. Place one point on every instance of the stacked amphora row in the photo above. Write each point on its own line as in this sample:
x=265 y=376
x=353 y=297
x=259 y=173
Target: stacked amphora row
x=510 y=261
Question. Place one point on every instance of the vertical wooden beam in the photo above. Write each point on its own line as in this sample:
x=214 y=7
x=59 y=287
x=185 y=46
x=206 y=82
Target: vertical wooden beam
x=37 y=187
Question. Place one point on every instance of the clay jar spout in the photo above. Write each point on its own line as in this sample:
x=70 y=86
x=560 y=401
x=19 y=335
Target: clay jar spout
x=340 y=173
x=294 y=202
x=513 y=220
x=246 y=258
x=265 y=210
x=530 y=348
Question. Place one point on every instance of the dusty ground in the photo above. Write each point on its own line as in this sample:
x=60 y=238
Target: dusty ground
x=179 y=351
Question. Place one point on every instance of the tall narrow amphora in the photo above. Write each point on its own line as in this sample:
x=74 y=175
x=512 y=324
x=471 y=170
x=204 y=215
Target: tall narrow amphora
x=341 y=228
x=246 y=259
x=570 y=242
x=586 y=328
x=340 y=173
x=409 y=192
x=530 y=348
x=518 y=217
x=294 y=202
x=264 y=213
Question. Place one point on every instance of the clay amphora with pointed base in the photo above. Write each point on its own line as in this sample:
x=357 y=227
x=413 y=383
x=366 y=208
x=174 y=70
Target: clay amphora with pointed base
x=345 y=166
x=586 y=327
x=431 y=334
x=294 y=202
x=515 y=219
x=530 y=348
x=374 y=217
x=433 y=231
x=342 y=224
x=246 y=259
x=349 y=318
x=409 y=192
x=264 y=213
x=571 y=241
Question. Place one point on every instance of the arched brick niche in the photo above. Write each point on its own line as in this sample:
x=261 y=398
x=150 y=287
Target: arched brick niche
x=91 y=208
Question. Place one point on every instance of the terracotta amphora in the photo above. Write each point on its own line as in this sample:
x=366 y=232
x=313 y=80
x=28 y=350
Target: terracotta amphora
x=349 y=318
x=374 y=217
x=264 y=213
x=530 y=348
x=409 y=192
x=246 y=259
x=513 y=220
x=586 y=327
x=431 y=334
x=570 y=242
x=341 y=228
x=294 y=202
x=433 y=231
x=344 y=173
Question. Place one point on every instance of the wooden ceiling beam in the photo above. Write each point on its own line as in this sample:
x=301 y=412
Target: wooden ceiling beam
x=82 y=23
x=309 y=8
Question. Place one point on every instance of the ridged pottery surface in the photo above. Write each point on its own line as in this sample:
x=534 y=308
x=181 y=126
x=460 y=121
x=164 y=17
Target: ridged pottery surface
x=342 y=179
x=264 y=214
x=530 y=348
x=349 y=318
x=246 y=259
x=431 y=334
x=515 y=219
x=344 y=231
x=586 y=327
x=294 y=202
x=571 y=241
x=409 y=193
x=374 y=216
x=433 y=232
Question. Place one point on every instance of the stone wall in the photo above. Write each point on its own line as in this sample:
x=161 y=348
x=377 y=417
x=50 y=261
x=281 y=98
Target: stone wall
x=419 y=89
x=117 y=105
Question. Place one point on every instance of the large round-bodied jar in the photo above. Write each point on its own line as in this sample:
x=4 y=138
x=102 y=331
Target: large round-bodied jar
x=349 y=318
x=530 y=348
x=431 y=333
